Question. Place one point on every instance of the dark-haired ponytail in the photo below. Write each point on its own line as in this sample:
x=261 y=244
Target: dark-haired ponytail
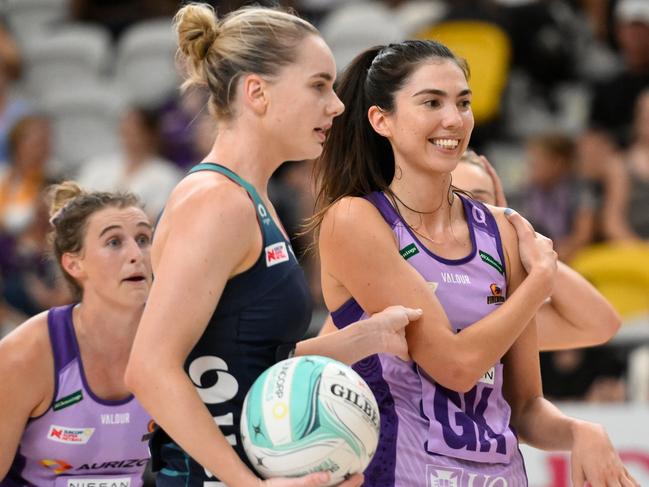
x=355 y=160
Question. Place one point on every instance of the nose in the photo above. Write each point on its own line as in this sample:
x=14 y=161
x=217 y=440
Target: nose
x=336 y=107
x=452 y=117
x=135 y=254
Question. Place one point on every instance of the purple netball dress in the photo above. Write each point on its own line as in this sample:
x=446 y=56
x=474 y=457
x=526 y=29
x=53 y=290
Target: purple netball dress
x=432 y=436
x=81 y=440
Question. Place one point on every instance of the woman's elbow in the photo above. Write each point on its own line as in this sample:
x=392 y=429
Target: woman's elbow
x=607 y=326
x=136 y=375
x=459 y=378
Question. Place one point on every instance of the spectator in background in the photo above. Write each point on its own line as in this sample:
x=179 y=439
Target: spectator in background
x=32 y=281
x=555 y=201
x=29 y=280
x=613 y=100
x=137 y=167
x=29 y=145
x=626 y=209
x=184 y=120
x=12 y=108
x=594 y=151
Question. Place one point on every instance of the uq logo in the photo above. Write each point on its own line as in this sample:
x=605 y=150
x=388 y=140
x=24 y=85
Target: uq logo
x=456 y=477
x=224 y=389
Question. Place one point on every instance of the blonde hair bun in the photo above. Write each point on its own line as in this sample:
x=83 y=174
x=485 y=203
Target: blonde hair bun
x=197 y=30
x=61 y=194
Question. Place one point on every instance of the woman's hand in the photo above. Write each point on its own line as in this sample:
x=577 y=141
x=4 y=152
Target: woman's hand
x=313 y=480
x=594 y=460
x=536 y=251
x=388 y=329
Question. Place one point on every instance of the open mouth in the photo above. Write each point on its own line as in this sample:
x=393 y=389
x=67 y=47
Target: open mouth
x=135 y=278
x=322 y=132
x=448 y=144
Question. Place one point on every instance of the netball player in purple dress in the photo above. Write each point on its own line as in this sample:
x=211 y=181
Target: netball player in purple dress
x=393 y=230
x=66 y=417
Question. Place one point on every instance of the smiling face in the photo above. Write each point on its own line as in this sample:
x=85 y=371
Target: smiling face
x=114 y=263
x=432 y=120
x=303 y=103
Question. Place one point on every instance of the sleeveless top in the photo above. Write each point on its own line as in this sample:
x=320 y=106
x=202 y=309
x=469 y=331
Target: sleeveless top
x=260 y=316
x=426 y=427
x=81 y=440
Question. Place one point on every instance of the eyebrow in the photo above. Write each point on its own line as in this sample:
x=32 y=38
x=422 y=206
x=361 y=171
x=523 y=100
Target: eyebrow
x=114 y=227
x=324 y=75
x=433 y=91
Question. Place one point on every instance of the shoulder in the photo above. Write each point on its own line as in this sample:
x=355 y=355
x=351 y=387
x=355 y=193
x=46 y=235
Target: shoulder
x=27 y=351
x=213 y=197
x=509 y=240
x=351 y=213
x=354 y=223
x=507 y=232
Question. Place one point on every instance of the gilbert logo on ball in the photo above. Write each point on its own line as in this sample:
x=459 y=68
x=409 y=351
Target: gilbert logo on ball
x=310 y=414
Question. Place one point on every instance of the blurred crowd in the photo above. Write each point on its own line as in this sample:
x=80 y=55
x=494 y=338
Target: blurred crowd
x=88 y=91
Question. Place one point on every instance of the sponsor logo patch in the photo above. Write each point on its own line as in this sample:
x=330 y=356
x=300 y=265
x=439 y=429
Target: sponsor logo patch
x=453 y=278
x=65 y=434
x=489 y=376
x=68 y=400
x=488 y=259
x=457 y=477
x=123 y=464
x=496 y=294
x=150 y=429
x=100 y=482
x=276 y=254
x=58 y=466
x=443 y=477
x=409 y=251
x=116 y=418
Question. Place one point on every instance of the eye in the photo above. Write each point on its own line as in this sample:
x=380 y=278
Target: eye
x=433 y=103
x=114 y=242
x=465 y=103
x=143 y=240
x=320 y=87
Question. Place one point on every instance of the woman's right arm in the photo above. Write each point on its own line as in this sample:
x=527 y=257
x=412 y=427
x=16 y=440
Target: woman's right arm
x=26 y=368
x=359 y=255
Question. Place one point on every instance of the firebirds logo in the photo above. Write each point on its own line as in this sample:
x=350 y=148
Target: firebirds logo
x=496 y=295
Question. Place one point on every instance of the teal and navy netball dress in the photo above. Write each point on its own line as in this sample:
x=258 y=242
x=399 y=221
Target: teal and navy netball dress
x=81 y=440
x=262 y=313
x=432 y=436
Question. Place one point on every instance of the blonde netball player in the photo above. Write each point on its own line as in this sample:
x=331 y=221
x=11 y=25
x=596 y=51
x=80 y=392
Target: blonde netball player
x=229 y=298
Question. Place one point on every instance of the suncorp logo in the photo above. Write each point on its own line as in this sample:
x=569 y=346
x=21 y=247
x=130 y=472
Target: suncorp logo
x=65 y=434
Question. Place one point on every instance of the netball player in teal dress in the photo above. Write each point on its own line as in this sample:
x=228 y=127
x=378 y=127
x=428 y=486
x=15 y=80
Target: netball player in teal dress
x=229 y=298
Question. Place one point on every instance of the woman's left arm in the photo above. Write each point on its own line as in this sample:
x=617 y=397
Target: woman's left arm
x=537 y=421
x=563 y=322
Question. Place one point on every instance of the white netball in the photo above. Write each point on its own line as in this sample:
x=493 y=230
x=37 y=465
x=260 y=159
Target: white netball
x=310 y=414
